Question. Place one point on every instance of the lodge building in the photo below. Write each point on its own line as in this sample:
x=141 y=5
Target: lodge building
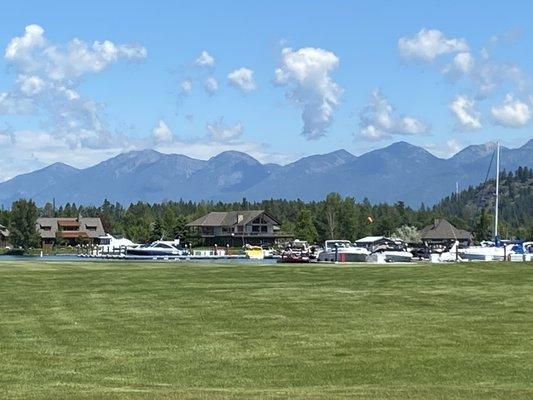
x=236 y=228
x=70 y=231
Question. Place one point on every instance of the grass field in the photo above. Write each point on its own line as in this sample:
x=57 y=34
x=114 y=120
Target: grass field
x=178 y=331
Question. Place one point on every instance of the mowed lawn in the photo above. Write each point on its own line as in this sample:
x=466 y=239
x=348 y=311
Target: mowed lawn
x=121 y=330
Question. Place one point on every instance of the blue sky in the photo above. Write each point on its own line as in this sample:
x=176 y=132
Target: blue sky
x=308 y=77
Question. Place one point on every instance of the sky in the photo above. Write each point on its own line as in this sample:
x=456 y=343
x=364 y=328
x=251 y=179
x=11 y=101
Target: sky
x=80 y=83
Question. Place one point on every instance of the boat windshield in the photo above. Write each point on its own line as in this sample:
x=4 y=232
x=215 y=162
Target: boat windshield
x=341 y=244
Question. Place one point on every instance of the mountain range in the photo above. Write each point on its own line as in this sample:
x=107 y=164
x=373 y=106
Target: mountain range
x=399 y=172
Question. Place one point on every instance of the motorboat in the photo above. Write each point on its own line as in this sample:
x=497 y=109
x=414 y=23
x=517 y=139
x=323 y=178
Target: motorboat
x=254 y=252
x=298 y=252
x=440 y=254
x=342 y=251
x=494 y=251
x=109 y=243
x=159 y=248
x=385 y=249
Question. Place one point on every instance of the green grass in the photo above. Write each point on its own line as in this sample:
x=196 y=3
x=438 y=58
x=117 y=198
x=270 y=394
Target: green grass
x=181 y=331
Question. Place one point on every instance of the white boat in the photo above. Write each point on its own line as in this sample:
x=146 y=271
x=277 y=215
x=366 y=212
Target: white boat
x=385 y=249
x=109 y=243
x=489 y=251
x=497 y=250
x=451 y=255
x=342 y=251
x=159 y=248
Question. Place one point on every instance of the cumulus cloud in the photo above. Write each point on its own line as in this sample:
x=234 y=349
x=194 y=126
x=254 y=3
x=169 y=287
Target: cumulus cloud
x=211 y=86
x=221 y=132
x=428 y=44
x=162 y=133
x=468 y=119
x=243 y=80
x=307 y=75
x=46 y=85
x=463 y=62
x=32 y=54
x=512 y=113
x=205 y=60
x=378 y=122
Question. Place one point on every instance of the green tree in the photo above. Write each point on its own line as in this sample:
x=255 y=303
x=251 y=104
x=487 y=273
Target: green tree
x=408 y=234
x=23 y=224
x=305 y=228
x=482 y=226
x=157 y=231
x=168 y=223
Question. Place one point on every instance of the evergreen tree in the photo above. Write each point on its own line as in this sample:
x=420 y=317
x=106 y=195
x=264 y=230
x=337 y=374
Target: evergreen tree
x=23 y=224
x=168 y=223
x=482 y=226
x=157 y=231
x=305 y=228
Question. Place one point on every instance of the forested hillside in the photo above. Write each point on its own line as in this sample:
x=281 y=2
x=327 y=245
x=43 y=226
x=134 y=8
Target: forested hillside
x=474 y=208
x=333 y=217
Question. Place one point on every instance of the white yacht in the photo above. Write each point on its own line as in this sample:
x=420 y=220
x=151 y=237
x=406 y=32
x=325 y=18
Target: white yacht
x=159 y=248
x=342 y=251
x=385 y=249
x=109 y=243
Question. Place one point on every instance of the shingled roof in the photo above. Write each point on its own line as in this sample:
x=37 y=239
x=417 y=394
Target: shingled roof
x=48 y=228
x=229 y=218
x=442 y=229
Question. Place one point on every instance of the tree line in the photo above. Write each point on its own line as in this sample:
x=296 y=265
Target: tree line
x=314 y=221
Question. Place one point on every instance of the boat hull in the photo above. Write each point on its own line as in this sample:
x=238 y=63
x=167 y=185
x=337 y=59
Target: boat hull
x=342 y=257
x=151 y=252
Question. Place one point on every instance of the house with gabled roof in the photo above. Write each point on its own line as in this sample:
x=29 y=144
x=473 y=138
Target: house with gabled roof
x=442 y=232
x=236 y=228
x=70 y=231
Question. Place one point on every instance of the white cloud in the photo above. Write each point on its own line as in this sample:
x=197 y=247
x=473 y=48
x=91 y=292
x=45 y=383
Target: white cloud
x=47 y=78
x=162 y=133
x=428 y=44
x=307 y=73
x=32 y=54
x=378 y=122
x=221 y=132
x=468 y=118
x=463 y=62
x=12 y=103
x=512 y=113
x=242 y=79
x=446 y=149
x=186 y=86
x=211 y=86
x=31 y=85
x=205 y=60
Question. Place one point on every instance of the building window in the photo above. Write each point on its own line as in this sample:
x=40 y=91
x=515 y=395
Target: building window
x=259 y=225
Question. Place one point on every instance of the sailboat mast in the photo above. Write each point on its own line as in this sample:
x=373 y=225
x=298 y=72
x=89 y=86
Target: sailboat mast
x=497 y=191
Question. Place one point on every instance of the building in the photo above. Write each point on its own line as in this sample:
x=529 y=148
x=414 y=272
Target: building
x=69 y=231
x=236 y=228
x=441 y=232
x=4 y=236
